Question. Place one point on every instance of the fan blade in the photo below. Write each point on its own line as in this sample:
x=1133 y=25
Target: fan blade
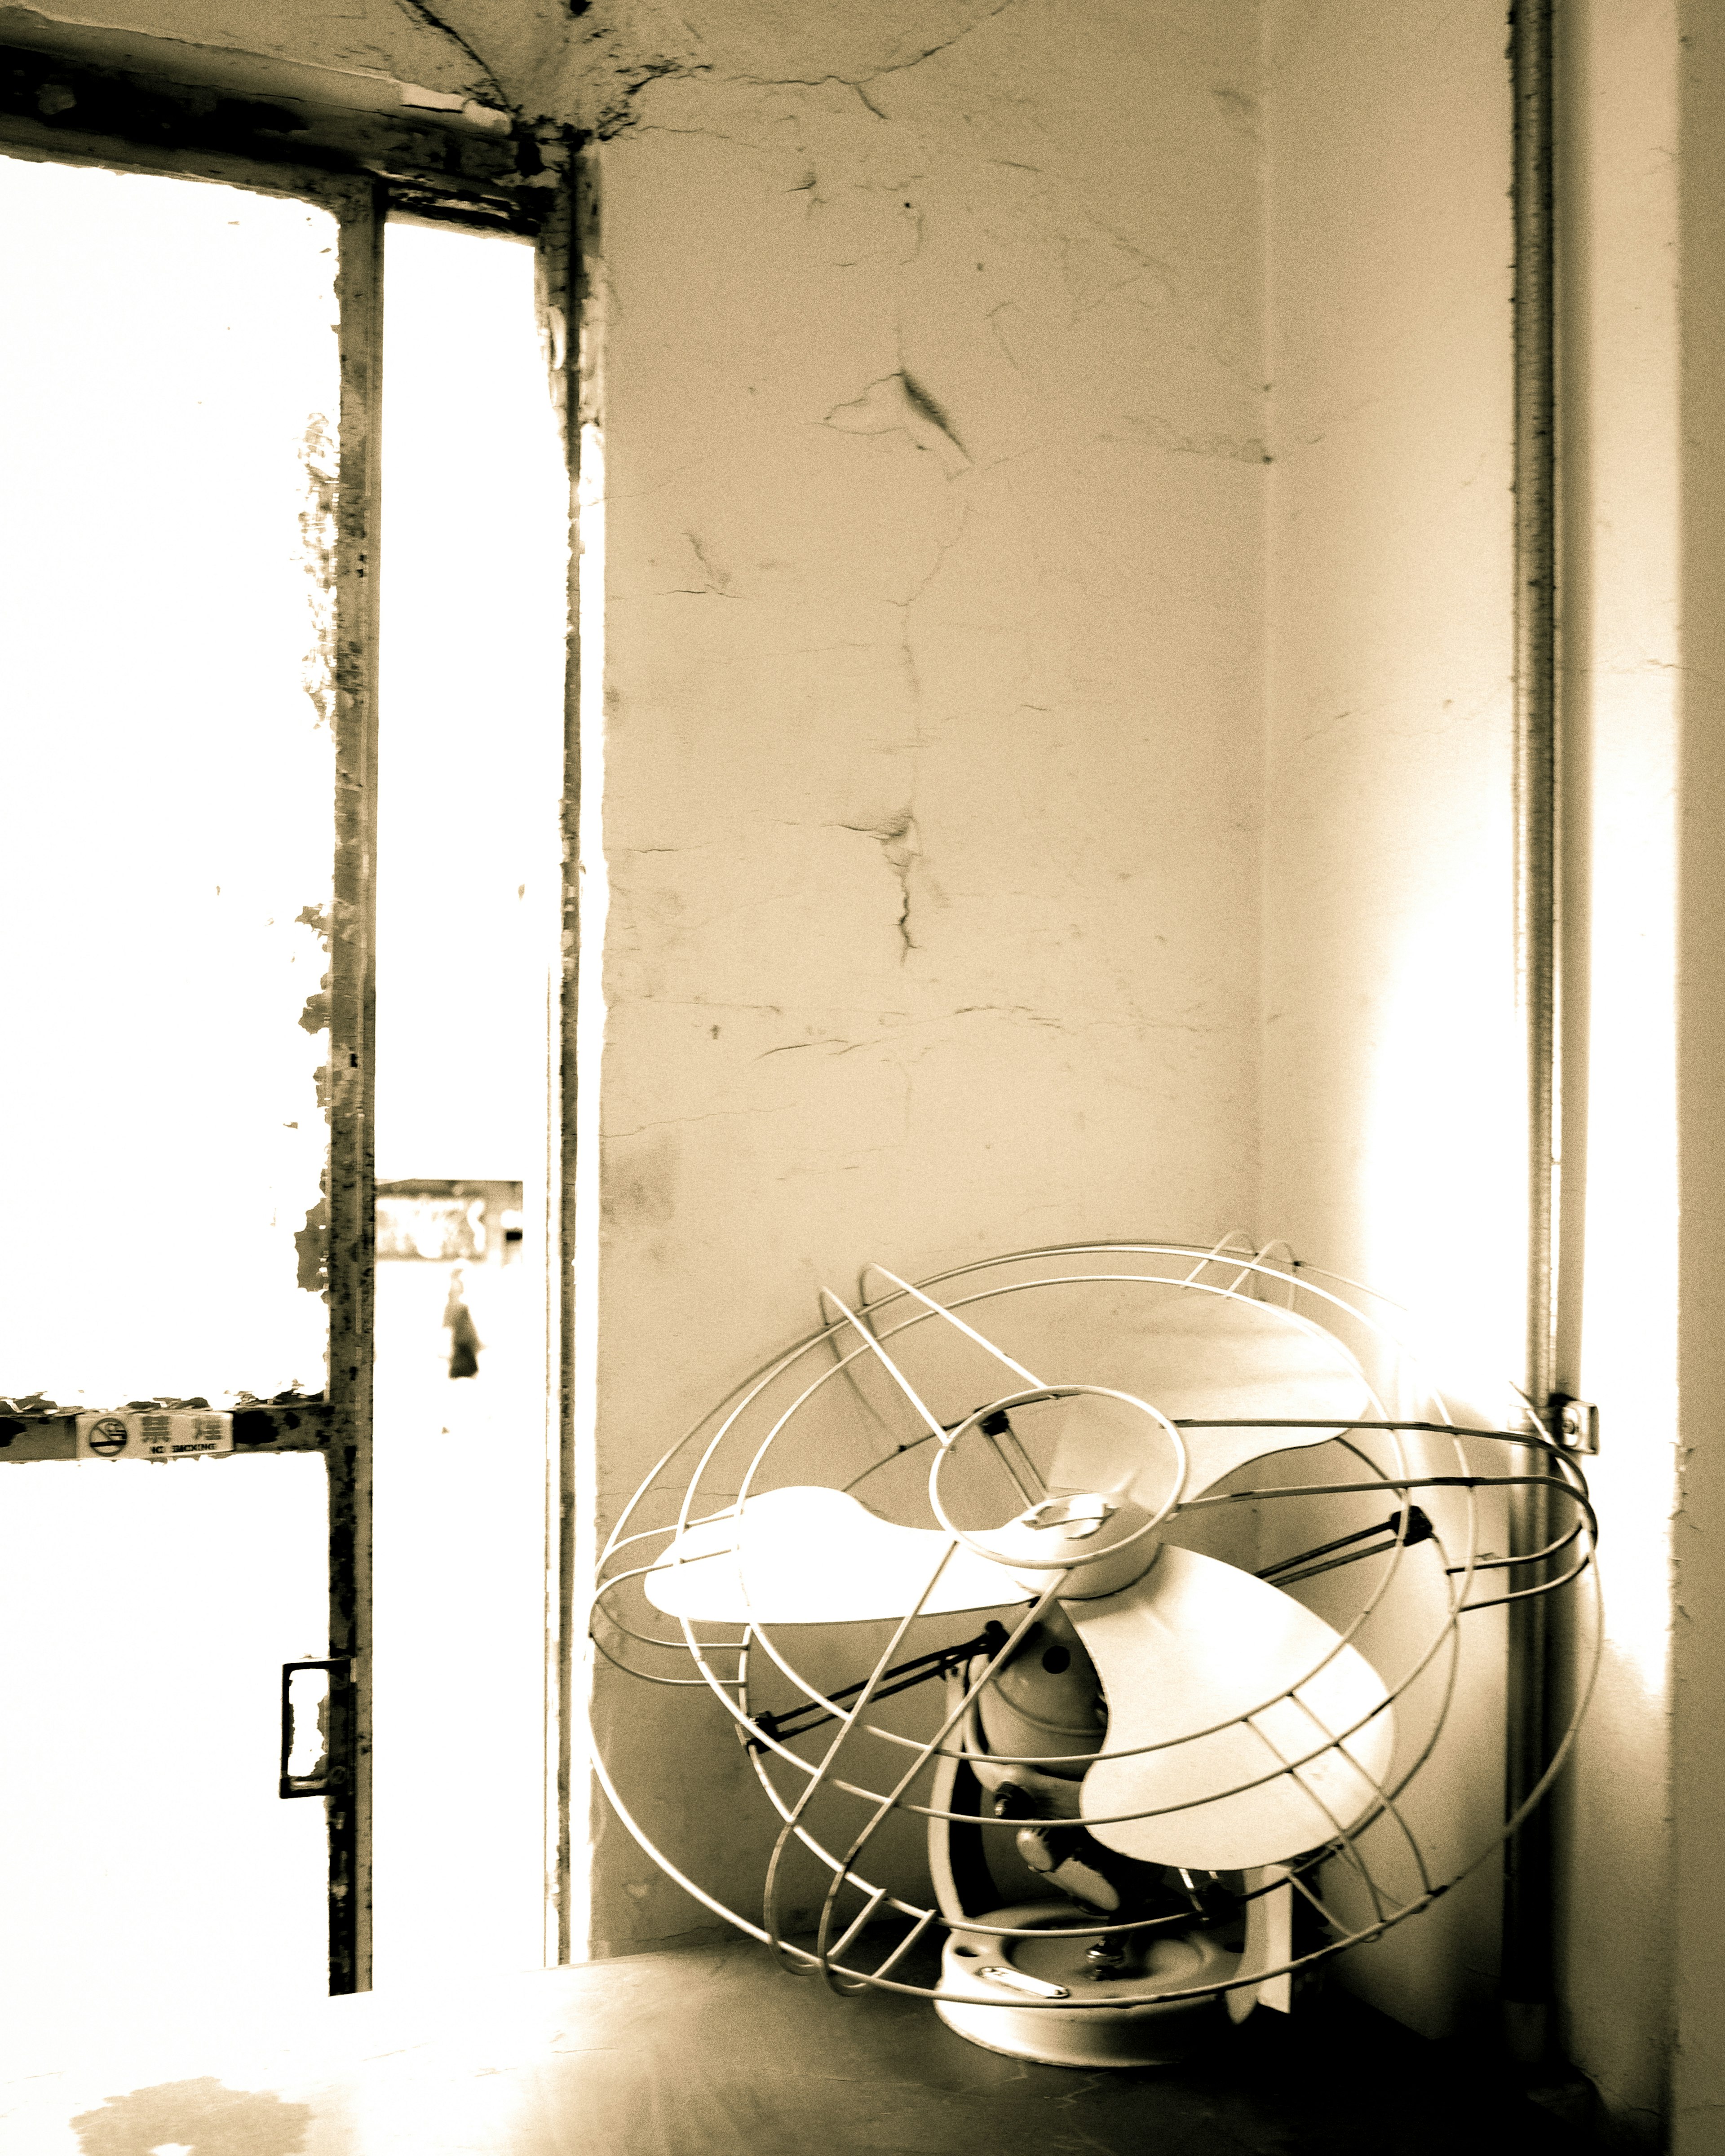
x=1210 y=1358
x=1195 y=1643
x=817 y=1557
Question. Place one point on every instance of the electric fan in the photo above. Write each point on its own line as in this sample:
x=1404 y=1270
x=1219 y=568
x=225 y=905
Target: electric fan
x=1230 y=1550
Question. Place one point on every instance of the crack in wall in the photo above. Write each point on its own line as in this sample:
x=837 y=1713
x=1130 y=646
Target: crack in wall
x=670 y=1122
x=423 y=15
x=922 y=403
x=901 y=850
x=942 y=548
x=617 y=116
x=897 y=1038
x=718 y=580
x=857 y=84
x=898 y=403
x=835 y=1041
x=1245 y=449
x=899 y=839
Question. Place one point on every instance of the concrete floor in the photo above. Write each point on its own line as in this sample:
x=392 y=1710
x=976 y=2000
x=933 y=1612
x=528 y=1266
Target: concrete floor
x=710 y=2052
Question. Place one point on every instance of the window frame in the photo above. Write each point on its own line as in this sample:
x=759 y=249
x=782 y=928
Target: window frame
x=366 y=166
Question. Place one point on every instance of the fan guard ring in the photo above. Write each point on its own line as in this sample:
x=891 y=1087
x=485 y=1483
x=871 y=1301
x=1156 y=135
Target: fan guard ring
x=1078 y=1561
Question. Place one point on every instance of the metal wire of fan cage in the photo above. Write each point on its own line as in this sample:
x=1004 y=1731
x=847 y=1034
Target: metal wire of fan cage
x=1396 y=1528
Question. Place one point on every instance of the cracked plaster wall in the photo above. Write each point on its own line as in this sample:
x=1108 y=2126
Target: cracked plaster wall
x=933 y=511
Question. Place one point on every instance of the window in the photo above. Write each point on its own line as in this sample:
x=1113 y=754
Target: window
x=192 y=528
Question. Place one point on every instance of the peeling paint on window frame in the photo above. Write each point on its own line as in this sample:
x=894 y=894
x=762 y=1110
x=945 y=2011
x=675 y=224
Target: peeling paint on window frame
x=364 y=167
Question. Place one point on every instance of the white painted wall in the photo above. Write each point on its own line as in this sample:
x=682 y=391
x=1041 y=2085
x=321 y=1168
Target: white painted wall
x=931 y=767
x=1390 y=1075
x=1391 y=1105
x=1391 y=1108
x=1698 y=1961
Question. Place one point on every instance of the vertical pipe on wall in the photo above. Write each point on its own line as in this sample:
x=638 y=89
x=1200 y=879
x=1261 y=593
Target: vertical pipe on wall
x=1528 y=1873
x=352 y=1204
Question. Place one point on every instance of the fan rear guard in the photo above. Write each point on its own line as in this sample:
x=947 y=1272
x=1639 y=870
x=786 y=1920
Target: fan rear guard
x=1391 y=1520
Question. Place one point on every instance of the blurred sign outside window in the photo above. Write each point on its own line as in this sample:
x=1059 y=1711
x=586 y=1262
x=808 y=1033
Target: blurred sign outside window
x=449 y=1223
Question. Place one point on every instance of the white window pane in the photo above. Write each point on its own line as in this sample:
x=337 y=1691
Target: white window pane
x=470 y=687
x=147 y=1612
x=474 y=569
x=168 y=394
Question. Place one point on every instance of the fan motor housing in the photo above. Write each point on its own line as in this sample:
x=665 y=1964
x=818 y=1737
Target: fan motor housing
x=1047 y=1703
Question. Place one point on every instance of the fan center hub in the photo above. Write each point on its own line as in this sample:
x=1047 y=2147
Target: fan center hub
x=1079 y=1515
x=1101 y=1471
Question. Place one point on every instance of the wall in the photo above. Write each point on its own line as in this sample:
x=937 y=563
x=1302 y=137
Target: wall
x=1698 y=1775
x=1390 y=1070
x=1391 y=1105
x=1618 y=1335
x=931 y=750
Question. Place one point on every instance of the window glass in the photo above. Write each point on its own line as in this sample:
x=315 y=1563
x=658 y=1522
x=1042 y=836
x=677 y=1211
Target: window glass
x=145 y=1853
x=470 y=754
x=168 y=396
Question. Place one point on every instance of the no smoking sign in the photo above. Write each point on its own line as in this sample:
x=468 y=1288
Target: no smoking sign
x=154 y=1434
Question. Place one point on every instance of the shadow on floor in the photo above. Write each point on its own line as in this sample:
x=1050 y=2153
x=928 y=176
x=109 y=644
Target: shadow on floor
x=715 y=2052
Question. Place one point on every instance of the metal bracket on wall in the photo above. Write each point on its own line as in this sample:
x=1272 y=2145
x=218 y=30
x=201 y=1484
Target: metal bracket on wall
x=1574 y=1425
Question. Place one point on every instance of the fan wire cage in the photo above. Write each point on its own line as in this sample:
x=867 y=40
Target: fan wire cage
x=910 y=1379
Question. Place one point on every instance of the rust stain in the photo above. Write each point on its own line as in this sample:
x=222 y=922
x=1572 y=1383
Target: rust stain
x=319 y=460
x=312 y=1243
x=644 y=1190
x=316 y=917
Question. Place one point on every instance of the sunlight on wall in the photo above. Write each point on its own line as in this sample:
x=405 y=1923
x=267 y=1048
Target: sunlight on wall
x=1439 y=1125
x=1393 y=1101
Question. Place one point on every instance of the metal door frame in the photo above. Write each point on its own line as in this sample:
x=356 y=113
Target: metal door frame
x=364 y=166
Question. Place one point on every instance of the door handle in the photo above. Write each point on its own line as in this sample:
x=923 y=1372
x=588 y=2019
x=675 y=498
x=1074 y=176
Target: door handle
x=307 y=1692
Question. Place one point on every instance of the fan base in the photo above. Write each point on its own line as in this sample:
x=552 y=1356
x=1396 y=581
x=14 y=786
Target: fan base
x=1156 y=2032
